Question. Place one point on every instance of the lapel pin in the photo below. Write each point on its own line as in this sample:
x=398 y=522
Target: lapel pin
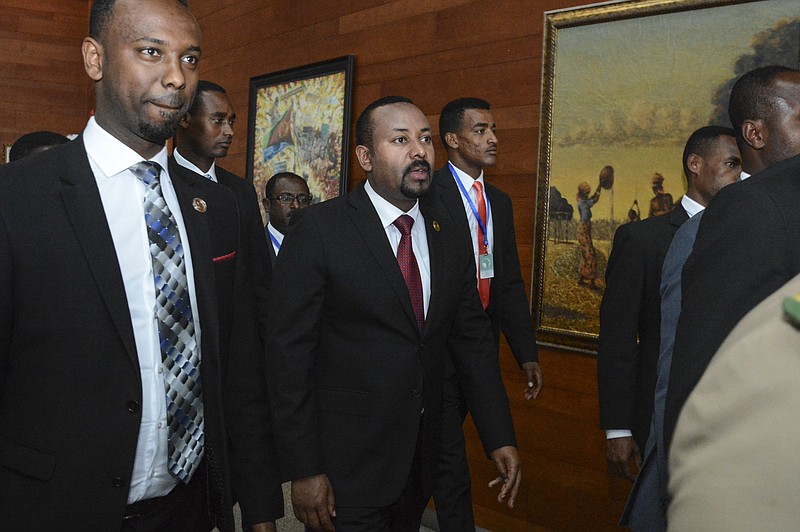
x=436 y=226
x=199 y=205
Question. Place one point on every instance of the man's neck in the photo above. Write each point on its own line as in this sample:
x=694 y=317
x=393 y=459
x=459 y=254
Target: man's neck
x=471 y=170
x=200 y=161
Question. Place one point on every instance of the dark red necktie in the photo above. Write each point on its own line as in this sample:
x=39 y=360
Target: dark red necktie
x=409 y=267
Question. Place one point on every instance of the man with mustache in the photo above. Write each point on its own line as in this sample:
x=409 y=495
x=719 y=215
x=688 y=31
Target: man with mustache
x=486 y=218
x=285 y=193
x=374 y=290
x=126 y=319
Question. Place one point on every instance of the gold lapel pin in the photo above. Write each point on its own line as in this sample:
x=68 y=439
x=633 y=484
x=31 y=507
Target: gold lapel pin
x=436 y=226
x=199 y=205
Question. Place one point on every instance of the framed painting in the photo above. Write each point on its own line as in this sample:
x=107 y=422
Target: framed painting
x=299 y=121
x=624 y=85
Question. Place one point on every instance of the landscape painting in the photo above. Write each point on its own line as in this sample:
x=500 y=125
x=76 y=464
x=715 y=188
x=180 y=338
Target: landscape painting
x=624 y=85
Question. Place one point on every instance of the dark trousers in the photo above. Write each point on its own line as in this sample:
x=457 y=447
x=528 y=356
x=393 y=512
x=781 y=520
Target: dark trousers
x=451 y=491
x=184 y=509
x=404 y=515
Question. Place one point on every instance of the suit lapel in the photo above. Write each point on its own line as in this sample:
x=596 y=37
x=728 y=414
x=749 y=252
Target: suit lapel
x=188 y=187
x=85 y=210
x=451 y=198
x=437 y=261
x=368 y=224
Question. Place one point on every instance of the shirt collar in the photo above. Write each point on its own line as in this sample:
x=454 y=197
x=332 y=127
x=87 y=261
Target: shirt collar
x=465 y=178
x=691 y=206
x=110 y=154
x=387 y=212
x=744 y=175
x=274 y=232
x=186 y=163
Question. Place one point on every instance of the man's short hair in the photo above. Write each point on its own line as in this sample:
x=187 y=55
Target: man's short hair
x=31 y=142
x=451 y=120
x=204 y=86
x=272 y=184
x=701 y=143
x=754 y=97
x=101 y=14
x=365 y=126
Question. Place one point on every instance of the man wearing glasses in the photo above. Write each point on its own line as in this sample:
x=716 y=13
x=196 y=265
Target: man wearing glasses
x=285 y=193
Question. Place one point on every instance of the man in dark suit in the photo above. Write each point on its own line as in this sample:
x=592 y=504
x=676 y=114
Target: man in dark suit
x=467 y=130
x=374 y=292
x=205 y=134
x=711 y=160
x=630 y=312
x=746 y=246
x=285 y=193
x=90 y=340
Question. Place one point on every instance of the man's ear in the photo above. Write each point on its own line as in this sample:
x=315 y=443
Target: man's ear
x=693 y=163
x=364 y=157
x=451 y=140
x=753 y=132
x=184 y=122
x=266 y=203
x=92 y=58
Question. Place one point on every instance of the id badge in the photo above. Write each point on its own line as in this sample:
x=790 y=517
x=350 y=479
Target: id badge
x=486 y=263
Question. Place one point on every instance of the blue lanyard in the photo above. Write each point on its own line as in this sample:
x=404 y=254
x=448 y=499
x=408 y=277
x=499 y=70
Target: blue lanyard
x=274 y=240
x=473 y=207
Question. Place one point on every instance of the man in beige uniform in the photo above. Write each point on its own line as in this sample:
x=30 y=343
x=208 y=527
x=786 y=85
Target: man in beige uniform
x=734 y=461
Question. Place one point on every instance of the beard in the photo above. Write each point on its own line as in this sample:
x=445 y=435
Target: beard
x=411 y=191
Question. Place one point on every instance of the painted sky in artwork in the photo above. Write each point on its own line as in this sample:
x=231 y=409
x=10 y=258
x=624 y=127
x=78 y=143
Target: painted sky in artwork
x=668 y=67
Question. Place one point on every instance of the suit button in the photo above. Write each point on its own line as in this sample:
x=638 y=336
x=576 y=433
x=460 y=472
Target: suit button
x=417 y=393
x=133 y=406
x=118 y=482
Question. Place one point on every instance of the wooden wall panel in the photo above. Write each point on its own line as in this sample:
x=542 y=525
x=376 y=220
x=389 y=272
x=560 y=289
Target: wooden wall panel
x=433 y=52
x=41 y=71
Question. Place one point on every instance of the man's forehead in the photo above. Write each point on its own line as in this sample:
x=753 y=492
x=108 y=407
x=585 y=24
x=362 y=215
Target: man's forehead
x=165 y=23
x=400 y=116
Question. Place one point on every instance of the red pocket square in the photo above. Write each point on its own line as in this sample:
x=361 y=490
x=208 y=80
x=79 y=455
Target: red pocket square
x=224 y=257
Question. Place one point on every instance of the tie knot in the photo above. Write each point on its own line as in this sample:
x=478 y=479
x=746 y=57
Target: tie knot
x=404 y=224
x=478 y=186
x=147 y=171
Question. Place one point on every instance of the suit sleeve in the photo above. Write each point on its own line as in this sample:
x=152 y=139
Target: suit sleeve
x=515 y=319
x=6 y=301
x=618 y=351
x=734 y=265
x=254 y=465
x=296 y=301
x=472 y=344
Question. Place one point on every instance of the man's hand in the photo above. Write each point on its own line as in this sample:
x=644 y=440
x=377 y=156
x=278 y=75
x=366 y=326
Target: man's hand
x=312 y=498
x=264 y=527
x=508 y=464
x=534 y=380
x=620 y=452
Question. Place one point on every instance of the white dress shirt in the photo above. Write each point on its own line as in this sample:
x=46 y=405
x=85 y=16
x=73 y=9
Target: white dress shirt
x=388 y=213
x=467 y=182
x=277 y=235
x=122 y=196
x=186 y=163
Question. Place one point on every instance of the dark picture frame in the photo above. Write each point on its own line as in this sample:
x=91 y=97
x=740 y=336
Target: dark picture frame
x=299 y=121
x=623 y=85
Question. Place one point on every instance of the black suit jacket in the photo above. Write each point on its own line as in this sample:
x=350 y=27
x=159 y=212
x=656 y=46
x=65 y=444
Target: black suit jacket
x=252 y=498
x=746 y=248
x=630 y=323
x=350 y=372
x=508 y=308
x=70 y=388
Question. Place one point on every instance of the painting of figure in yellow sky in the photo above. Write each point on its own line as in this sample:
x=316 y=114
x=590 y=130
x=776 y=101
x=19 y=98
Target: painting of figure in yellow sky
x=624 y=90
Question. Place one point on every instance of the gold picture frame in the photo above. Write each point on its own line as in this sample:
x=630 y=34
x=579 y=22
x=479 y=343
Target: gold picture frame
x=623 y=85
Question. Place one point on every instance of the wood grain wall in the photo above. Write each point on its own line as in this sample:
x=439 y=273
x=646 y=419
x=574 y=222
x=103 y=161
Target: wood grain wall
x=42 y=81
x=434 y=51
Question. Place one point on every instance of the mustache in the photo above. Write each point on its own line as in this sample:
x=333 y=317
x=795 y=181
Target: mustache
x=418 y=165
x=171 y=100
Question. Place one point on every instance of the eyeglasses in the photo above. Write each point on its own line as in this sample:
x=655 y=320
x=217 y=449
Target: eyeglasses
x=288 y=199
